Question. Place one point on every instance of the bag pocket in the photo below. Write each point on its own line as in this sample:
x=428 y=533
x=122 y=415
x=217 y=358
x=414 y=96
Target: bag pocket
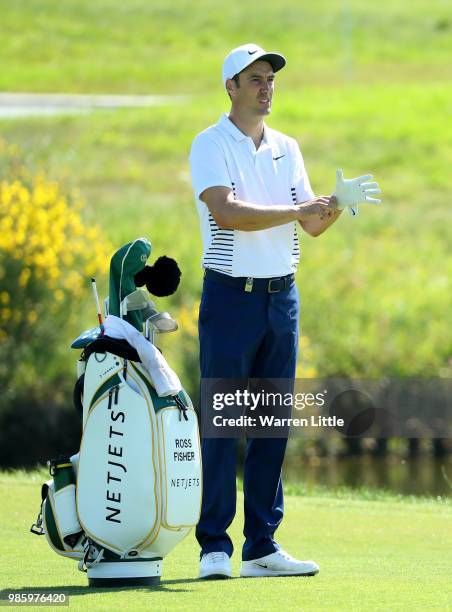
x=60 y=522
x=180 y=467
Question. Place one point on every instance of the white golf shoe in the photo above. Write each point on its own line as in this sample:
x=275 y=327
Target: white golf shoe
x=215 y=565
x=278 y=563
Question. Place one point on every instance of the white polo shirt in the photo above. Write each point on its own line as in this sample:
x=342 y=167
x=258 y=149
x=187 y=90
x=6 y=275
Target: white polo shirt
x=222 y=155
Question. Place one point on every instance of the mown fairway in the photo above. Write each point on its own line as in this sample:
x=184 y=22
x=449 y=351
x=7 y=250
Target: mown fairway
x=373 y=555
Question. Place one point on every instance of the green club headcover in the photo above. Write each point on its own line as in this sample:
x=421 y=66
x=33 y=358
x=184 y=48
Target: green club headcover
x=125 y=263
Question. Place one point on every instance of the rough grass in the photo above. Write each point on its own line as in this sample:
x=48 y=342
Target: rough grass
x=366 y=88
x=386 y=554
x=176 y=46
x=379 y=281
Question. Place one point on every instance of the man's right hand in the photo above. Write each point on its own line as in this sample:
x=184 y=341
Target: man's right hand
x=321 y=207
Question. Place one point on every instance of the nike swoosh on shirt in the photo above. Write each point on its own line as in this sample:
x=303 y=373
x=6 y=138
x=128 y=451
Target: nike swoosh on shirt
x=275 y=158
x=252 y=52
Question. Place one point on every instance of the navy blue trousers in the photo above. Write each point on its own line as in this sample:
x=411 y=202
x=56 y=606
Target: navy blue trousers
x=244 y=335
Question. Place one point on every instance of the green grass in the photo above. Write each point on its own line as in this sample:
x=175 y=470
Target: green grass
x=176 y=46
x=374 y=291
x=382 y=554
x=379 y=280
x=372 y=288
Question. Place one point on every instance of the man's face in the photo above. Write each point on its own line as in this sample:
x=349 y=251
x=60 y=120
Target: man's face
x=254 y=96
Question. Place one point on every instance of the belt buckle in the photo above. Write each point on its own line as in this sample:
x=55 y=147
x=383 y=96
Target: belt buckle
x=269 y=286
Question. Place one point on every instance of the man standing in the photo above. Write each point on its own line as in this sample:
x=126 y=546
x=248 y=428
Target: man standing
x=251 y=189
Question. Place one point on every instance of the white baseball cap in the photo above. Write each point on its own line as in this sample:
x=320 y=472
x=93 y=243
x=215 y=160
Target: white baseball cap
x=241 y=57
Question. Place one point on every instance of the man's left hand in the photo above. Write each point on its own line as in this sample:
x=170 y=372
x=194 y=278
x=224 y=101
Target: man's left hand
x=350 y=192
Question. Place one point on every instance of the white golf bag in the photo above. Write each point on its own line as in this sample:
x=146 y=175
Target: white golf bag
x=133 y=491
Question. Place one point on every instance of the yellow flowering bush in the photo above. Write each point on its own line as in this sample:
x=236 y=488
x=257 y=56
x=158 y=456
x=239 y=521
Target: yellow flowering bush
x=47 y=255
x=305 y=367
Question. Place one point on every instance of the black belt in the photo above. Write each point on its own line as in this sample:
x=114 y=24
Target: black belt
x=248 y=283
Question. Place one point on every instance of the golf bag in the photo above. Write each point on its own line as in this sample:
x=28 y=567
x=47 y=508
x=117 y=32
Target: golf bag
x=133 y=491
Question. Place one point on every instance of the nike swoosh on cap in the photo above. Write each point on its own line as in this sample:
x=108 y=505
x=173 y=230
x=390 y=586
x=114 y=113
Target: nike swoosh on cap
x=252 y=52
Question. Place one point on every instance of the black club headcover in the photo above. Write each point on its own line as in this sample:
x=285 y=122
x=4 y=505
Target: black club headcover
x=161 y=279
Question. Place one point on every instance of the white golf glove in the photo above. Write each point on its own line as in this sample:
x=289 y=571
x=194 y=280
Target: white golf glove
x=351 y=192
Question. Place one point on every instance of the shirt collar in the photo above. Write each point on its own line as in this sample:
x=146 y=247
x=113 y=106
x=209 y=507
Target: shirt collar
x=237 y=134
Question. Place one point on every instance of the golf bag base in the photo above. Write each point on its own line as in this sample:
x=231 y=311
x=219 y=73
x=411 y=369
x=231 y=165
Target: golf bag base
x=125 y=573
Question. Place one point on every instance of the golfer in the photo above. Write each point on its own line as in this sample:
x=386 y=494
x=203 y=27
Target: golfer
x=252 y=191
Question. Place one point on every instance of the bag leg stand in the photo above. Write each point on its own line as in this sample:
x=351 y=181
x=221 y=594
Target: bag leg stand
x=114 y=573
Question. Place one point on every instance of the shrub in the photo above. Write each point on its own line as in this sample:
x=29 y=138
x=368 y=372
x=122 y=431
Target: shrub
x=47 y=255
